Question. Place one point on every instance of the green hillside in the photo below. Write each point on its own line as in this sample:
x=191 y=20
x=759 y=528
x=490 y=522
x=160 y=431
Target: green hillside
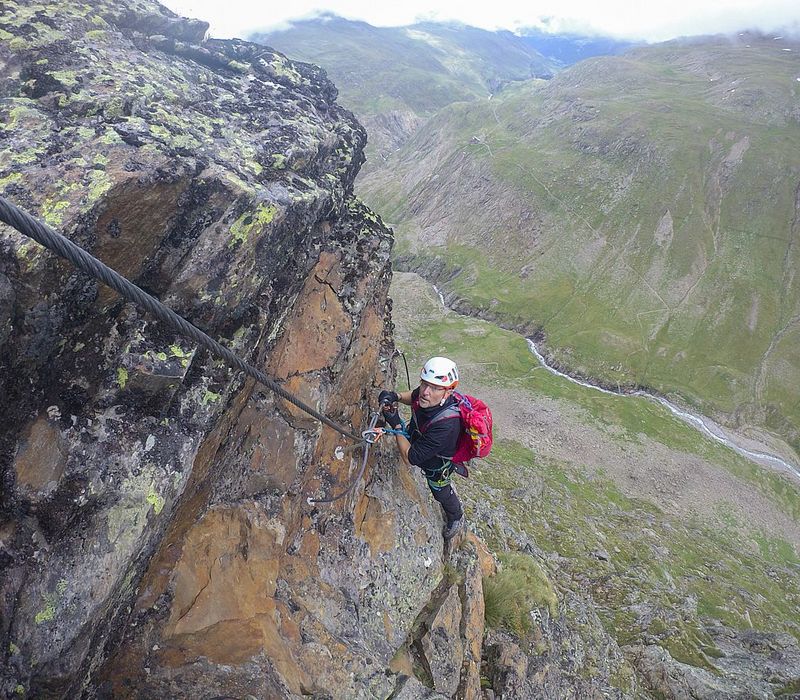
x=642 y=211
x=421 y=67
x=661 y=524
x=393 y=78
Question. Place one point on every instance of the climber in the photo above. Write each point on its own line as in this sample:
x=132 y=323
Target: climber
x=434 y=431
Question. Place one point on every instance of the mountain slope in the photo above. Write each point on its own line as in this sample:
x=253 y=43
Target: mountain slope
x=421 y=67
x=686 y=551
x=642 y=211
x=394 y=77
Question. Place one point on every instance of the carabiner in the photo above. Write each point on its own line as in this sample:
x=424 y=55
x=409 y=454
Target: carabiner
x=371 y=436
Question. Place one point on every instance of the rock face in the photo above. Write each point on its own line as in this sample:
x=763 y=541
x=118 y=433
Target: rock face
x=750 y=664
x=444 y=645
x=441 y=640
x=155 y=537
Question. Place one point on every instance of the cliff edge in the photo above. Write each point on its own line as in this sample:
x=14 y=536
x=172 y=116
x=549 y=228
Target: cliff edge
x=155 y=535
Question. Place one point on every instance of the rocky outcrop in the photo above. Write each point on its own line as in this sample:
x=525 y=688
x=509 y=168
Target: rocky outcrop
x=445 y=644
x=156 y=537
x=568 y=652
x=747 y=664
x=568 y=655
x=155 y=534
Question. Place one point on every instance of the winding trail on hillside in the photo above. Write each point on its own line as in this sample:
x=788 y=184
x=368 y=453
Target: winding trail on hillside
x=701 y=423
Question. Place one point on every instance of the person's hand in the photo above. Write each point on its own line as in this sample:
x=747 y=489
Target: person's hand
x=388 y=397
x=392 y=417
x=388 y=403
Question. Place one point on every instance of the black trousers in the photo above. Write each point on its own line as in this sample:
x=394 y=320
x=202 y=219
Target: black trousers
x=448 y=499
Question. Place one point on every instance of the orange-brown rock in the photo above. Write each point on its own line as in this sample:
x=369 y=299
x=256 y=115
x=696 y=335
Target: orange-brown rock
x=270 y=444
x=313 y=337
x=375 y=526
x=485 y=559
x=136 y=217
x=168 y=547
x=473 y=617
x=41 y=458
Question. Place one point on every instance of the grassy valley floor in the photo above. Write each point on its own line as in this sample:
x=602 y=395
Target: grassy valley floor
x=668 y=530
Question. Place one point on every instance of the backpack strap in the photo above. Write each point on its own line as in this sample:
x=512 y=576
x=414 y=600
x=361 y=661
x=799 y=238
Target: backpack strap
x=448 y=413
x=462 y=398
x=452 y=411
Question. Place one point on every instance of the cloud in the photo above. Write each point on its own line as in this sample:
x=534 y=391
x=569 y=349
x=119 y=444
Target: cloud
x=648 y=21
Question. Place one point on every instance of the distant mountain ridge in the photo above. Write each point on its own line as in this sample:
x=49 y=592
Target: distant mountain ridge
x=464 y=62
x=394 y=78
x=566 y=49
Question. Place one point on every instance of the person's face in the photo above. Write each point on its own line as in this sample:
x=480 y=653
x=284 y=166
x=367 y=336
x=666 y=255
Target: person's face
x=431 y=395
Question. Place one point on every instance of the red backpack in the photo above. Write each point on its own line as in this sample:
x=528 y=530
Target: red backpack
x=475 y=439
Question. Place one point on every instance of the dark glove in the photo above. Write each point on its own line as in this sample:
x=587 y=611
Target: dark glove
x=388 y=397
x=392 y=417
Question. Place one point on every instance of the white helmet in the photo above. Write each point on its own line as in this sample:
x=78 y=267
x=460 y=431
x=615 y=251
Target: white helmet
x=441 y=372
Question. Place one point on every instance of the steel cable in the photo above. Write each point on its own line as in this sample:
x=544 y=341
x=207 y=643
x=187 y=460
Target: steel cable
x=54 y=241
x=367 y=444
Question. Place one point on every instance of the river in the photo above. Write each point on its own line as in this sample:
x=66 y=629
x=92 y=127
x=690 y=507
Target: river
x=701 y=423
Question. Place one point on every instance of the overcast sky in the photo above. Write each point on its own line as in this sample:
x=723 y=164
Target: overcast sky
x=629 y=19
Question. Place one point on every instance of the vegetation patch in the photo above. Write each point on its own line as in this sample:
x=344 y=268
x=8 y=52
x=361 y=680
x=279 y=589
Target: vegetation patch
x=247 y=222
x=209 y=397
x=155 y=500
x=790 y=689
x=652 y=575
x=519 y=587
x=48 y=612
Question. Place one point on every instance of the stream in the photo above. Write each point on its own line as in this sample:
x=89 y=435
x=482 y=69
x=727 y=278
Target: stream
x=701 y=423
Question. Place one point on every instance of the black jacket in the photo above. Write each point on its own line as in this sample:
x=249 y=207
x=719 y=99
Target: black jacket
x=432 y=446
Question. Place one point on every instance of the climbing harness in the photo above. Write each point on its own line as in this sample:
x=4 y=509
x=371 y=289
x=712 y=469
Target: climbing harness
x=443 y=475
x=54 y=241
